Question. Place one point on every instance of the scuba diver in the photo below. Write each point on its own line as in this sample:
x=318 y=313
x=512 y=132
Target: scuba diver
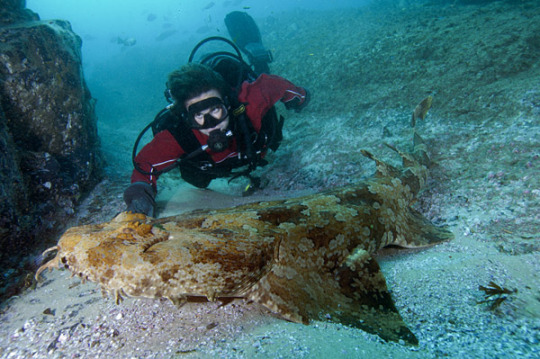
x=221 y=117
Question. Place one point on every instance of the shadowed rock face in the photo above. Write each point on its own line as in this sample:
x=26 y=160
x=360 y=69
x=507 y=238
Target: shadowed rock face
x=48 y=136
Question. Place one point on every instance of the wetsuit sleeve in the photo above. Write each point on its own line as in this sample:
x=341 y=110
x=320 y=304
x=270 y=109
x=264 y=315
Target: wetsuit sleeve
x=160 y=153
x=264 y=92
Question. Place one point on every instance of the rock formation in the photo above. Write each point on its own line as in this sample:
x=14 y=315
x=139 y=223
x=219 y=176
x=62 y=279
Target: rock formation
x=48 y=136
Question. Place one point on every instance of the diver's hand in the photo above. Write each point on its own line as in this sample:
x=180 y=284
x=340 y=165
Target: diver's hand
x=297 y=104
x=139 y=198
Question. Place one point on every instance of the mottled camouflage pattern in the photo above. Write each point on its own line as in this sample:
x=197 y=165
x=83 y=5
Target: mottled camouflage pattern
x=303 y=258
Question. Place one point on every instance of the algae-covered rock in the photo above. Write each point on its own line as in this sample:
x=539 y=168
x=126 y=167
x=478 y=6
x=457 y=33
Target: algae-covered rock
x=48 y=135
x=14 y=11
x=12 y=190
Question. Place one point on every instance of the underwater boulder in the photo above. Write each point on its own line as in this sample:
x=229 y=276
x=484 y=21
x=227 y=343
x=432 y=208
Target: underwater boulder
x=48 y=129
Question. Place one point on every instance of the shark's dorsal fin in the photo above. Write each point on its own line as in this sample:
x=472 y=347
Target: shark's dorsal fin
x=383 y=169
x=419 y=151
x=407 y=158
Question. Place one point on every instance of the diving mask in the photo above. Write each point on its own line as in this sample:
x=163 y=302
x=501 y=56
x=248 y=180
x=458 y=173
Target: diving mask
x=207 y=113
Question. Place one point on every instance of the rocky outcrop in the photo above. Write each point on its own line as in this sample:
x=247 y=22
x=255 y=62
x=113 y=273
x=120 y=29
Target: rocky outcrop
x=14 y=11
x=48 y=136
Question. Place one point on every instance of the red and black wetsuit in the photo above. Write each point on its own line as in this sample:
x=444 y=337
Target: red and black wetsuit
x=164 y=150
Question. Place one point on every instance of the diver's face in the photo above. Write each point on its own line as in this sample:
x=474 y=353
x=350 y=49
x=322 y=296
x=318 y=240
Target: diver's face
x=217 y=111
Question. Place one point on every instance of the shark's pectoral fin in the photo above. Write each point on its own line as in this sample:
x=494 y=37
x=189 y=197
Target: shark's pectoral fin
x=354 y=294
x=369 y=305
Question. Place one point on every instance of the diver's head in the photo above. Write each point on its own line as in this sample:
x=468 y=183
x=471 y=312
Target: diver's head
x=200 y=94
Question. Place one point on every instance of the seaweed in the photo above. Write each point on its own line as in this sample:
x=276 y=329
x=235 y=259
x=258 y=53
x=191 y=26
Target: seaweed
x=495 y=294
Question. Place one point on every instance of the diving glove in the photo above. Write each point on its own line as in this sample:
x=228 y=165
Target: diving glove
x=139 y=198
x=297 y=104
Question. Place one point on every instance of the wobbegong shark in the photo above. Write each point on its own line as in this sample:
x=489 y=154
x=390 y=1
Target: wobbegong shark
x=307 y=258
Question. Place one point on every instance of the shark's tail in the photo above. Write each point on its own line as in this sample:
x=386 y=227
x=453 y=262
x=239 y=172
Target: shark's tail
x=415 y=164
x=411 y=177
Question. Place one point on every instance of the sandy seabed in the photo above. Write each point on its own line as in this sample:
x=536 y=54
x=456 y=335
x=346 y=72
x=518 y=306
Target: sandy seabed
x=435 y=290
x=485 y=139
